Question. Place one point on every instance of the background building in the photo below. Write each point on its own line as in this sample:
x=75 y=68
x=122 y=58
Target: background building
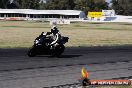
x=40 y=14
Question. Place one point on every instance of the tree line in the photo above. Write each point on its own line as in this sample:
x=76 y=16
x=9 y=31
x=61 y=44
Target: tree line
x=122 y=7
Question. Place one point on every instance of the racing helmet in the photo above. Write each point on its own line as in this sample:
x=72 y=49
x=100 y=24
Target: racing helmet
x=53 y=23
x=54 y=30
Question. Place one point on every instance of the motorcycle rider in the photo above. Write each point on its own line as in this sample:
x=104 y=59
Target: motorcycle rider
x=55 y=36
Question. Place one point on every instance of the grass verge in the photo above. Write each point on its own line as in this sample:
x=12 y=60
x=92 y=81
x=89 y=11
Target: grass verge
x=22 y=33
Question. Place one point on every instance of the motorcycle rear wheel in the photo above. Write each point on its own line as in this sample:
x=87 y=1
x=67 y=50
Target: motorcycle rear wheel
x=58 y=51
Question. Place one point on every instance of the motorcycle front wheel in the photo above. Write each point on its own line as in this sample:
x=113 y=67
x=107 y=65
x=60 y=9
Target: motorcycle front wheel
x=32 y=52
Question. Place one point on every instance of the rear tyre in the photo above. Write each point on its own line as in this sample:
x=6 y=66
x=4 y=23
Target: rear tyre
x=58 y=50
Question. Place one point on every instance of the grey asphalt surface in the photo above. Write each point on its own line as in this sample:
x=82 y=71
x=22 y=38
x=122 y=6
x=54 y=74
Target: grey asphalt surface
x=17 y=70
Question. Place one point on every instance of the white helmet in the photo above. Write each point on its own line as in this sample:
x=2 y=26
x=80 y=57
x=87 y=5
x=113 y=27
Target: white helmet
x=53 y=23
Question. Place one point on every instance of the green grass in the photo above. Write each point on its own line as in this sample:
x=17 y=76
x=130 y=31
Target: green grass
x=22 y=33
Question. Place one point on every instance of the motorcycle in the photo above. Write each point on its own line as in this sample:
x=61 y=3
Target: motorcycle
x=42 y=46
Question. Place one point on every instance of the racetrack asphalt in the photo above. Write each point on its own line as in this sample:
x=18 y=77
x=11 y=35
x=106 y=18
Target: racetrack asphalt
x=17 y=70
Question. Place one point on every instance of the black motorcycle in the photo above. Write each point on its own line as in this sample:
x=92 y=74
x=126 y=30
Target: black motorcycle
x=42 y=46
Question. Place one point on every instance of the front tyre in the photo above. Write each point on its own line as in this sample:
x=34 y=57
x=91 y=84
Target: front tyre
x=31 y=52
